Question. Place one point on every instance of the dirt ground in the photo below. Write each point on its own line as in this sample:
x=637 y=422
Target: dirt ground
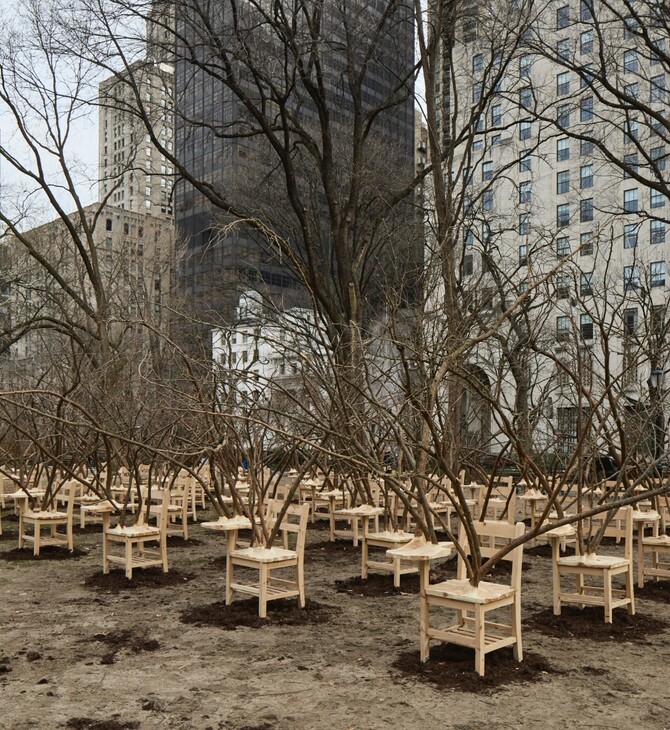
x=82 y=650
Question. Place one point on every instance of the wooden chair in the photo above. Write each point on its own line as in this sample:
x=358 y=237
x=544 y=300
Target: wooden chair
x=48 y=518
x=177 y=510
x=133 y=539
x=473 y=604
x=658 y=547
x=602 y=568
x=268 y=560
x=502 y=500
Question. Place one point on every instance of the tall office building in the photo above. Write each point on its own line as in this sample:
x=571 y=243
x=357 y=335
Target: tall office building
x=564 y=173
x=218 y=139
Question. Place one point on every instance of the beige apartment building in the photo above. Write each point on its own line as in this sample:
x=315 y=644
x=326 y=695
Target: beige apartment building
x=133 y=174
x=556 y=113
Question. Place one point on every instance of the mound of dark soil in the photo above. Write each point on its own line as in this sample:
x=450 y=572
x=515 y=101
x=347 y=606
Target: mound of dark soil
x=116 y=580
x=655 y=591
x=378 y=585
x=283 y=612
x=589 y=623
x=87 y=723
x=127 y=639
x=453 y=667
x=48 y=552
x=174 y=541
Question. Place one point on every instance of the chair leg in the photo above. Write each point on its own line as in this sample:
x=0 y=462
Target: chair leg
x=163 y=548
x=301 y=584
x=580 y=587
x=424 y=625
x=129 y=559
x=36 y=543
x=480 y=656
x=556 y=583
x=607 y=592
x=21 y=528
x=229 y=579
x=517 y=648
x=630 y=590
x=263 y=591
x=364 y=559
x=396 y=572
x=105 y=561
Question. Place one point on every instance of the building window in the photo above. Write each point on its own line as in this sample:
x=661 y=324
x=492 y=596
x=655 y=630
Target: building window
x=657 y=273
x=656 y=57
x=630 y=200
x=526 y=97
x=525 y=130
x=525 y=191
x=487 y=200
x=467 y=265
x=630 y=131
x=630 y=62
x=563 y=182
x=562 y=247
x=523 y=255
x=108 y=224
x=586 y=177
x=486 y=233
x=657 y=90
x=586 y=210
x=468 y=237
x=524 y=224
x=562 y=327
x=585 y=147
x=586 y=244
x=562 y=17
x=630 y=27
x=525 y=162
x=657 y=232
x=630 y=163
x=563 y=282
x=586 y=41
x=657 y=155
x=585 y=284
x=562 y=149
x=563 y=116
x=525 y=63
x=496 y=115
x=496 y=139
x=564 y=49
x=487 y=171
x=630 y=235
x=476 y=91
x=656 y=199
x=563 y=215
x=563 y=83
x=629 y=321
x=477 y=63
x=586 y=75
x=632 y=91
x=586 y=326
x=631 y=278
x=586 y=109
x=586 y=11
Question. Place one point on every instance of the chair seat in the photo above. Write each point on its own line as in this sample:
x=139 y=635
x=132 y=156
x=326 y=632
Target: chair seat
x=44 y=515
x=592 y=561
x=462 y=590
x=657 y=541
x=264 y=555
x=134 y=531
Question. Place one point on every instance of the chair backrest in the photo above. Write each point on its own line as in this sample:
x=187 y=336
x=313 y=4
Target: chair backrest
x=501 y=488
x=623 y=521
x=493 y=534
x=294 y=522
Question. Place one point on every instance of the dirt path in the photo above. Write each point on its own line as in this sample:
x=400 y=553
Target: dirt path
x=81 y=652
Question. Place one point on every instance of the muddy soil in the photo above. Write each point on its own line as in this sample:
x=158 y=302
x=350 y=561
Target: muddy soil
x=92 y=652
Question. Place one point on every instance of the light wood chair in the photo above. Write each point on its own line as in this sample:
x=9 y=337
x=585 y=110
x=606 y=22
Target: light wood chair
x=601 y=568
x=48 y=518
x=268 y=560
x=472 y=604
x=502 y=500
x=133 y=539
x=177 y=510
x=658 y=547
